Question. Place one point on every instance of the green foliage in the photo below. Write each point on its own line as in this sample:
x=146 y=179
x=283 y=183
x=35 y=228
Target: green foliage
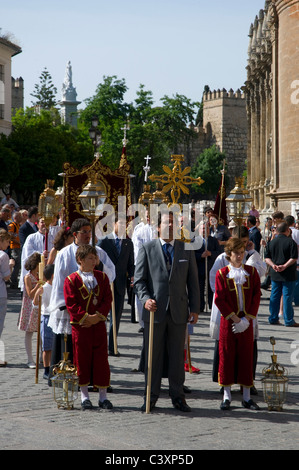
x=208 y=166
x=45 y=91
x=43 y=146
x=9 y=162
x=154 y=131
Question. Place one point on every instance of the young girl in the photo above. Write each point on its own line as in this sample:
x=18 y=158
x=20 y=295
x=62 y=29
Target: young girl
x=237 y=296
x=88 y=299
x=6 y=266
x=28 y=321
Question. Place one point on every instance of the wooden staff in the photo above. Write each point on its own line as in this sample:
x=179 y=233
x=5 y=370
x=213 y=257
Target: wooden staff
x=41 y=276
x=149 y=363
x=189 y=354
x=113 y=320
x=206 y=269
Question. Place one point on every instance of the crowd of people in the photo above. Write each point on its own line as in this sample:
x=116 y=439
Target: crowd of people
x=83 y=285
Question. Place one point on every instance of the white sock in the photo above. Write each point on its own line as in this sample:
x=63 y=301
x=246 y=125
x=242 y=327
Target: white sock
x=227 y=394
x=102 y=394
x=28 y=345
x=84 y=393
x=246 y=393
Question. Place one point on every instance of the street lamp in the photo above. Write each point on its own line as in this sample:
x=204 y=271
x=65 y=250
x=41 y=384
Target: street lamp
x=275 y=383
x=93 y=195
x=238 y=202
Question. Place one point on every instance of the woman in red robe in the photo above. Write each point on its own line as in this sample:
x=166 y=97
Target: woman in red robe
x=237 y=295
x=88 y=300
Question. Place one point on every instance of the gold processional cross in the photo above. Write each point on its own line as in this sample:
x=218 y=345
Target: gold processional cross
x=176 y=179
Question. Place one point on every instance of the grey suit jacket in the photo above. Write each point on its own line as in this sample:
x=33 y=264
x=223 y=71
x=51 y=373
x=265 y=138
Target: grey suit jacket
x=179 y=292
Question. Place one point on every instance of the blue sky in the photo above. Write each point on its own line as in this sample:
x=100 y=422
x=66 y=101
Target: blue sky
x=169 y=46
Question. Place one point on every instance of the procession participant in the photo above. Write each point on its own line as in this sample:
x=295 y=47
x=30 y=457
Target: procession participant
x=63 y=238
x=6 y=266
x=88 y=299
x=45 y=331
x=15 y=248
x=65 y=264
x=254 y=233
x=218 y=231
x=237 y=295
x=29 y=226
x=121 y=252
x=205 y=258
x=251 y=258
x=166 y=282
x=35 y=242
x=28 y=320
x=290 y=220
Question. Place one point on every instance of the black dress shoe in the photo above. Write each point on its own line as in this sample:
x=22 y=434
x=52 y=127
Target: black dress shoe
x=86 y=405
x=225 y=405
x=106 y=405
x=112 y=353
x=180 y=404
x=186 y=389
x=152 y=405
x=250 y=404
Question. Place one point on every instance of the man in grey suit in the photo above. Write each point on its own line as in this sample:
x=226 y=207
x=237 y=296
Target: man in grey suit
x=121 y=252
x=166 y=282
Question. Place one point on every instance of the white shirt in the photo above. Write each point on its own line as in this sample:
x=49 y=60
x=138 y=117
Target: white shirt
x=4 y=272
x=47 y=288
x=143 y=233
x=35 y=242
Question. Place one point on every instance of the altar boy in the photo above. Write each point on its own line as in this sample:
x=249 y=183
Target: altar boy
x=88 y=299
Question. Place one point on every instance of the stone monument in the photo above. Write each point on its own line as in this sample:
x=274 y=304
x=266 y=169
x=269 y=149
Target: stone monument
x=69 y=101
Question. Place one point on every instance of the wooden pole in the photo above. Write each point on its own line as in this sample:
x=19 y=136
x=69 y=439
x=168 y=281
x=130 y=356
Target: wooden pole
x=189 y=354
x=149 y=364
x=114 y=320
x=38 y=338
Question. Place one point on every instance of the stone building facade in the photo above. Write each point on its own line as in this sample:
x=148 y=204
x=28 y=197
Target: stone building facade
x=272 y=98
x=7 y=51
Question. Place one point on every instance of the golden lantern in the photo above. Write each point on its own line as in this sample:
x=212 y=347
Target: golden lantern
x=48 y=203
x=275 y=383
x=65 y=383
x=93 y=195
x=238 y=202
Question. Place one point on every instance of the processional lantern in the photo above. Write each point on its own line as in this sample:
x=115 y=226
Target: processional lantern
x=275 y=383
x=48 y=206
x=65 y=382
x=92 y=196
x=238 y=202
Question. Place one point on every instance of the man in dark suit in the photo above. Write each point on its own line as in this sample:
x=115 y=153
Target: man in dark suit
x=205 y=258
x=254 y=233
x=29 y=226
x=166 y=282
x=121 y=252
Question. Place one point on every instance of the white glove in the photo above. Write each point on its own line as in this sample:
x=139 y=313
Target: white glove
x=241 y=326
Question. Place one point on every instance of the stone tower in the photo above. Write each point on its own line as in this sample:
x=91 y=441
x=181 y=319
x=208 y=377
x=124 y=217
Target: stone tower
x=272 y=95
x=225 y=124
x=69 y=101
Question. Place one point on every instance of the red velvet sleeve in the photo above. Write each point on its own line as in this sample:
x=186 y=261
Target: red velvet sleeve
x=73 y=301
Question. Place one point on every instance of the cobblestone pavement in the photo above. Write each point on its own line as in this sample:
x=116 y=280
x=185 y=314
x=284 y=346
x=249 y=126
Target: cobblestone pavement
x=30 y=419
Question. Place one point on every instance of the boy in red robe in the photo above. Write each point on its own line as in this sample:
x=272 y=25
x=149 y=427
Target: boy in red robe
x=88 y=300
x=237 y=296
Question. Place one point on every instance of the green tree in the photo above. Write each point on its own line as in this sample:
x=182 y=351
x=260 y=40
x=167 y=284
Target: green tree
x=42 y=147
x=9 y=162
x=45 y=91
x=208 y=166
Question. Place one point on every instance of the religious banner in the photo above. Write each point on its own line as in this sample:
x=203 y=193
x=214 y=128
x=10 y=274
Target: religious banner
x=116 y=183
